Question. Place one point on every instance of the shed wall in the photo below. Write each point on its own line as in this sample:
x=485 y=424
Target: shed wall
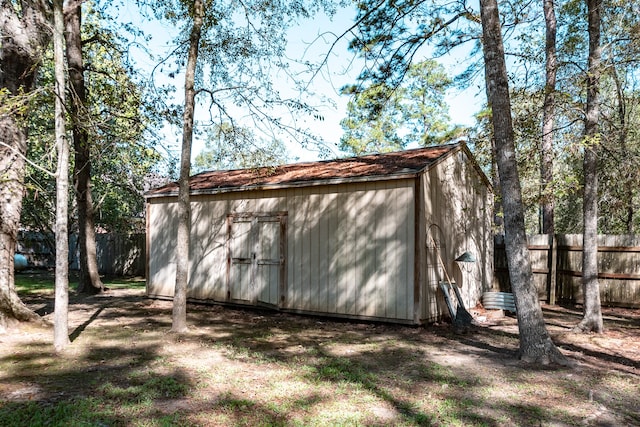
x=458 y=206
x=349 y=250
x=162 y=231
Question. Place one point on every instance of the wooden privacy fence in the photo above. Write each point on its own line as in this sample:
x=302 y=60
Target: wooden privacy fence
x=118 y=254
x=556 y=261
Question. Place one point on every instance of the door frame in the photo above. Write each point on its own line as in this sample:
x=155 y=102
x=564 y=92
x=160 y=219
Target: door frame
x=255 y=218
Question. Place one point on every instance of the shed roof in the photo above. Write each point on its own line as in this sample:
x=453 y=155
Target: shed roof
x=353 y=169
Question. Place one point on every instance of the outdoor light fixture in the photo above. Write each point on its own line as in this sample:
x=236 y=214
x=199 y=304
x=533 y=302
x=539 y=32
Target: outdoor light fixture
x=466 y=257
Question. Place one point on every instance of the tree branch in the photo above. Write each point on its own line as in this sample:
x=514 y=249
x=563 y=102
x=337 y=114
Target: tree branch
x=40 y=168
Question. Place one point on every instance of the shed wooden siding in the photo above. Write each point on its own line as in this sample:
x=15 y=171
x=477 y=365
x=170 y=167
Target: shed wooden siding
x=350 y=247
x=355 y=235
x=457 y=215
x=162 y=233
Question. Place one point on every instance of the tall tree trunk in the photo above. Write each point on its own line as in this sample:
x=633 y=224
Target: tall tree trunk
x=536 y=345
x=179 y=316
x=592 y=318
x=546 y=151
x=498 y=216
x=24 y=36
x=89 y=280
x=61 y=308
x=498 y=220
x=13 y=147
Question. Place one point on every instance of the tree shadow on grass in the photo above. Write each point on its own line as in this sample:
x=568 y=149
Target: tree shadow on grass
x=457 y=394
x=106 y=385
x=107 y=379
x=125 y=377
x=481 y=338
x=612 y=362
x=613 y=317
x=493 y=346
x=78 y=330
x=361 y=373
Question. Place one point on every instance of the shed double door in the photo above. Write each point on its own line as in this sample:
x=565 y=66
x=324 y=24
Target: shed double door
x=256 y=258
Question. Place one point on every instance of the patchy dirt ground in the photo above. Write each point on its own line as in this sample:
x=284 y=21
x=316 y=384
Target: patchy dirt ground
x=249 y=367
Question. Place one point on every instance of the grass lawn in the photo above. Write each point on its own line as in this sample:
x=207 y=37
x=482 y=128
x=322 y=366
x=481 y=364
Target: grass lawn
x=255 y=368
x=42 y=282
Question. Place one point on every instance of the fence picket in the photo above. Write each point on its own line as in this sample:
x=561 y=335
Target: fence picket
x=559 y=260
x=118 y=254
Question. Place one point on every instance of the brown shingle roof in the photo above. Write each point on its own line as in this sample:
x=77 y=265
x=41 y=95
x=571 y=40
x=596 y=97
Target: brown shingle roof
x=408 y=162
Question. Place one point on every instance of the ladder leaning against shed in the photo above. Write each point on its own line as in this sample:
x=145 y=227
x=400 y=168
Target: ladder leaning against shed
x=460 y=316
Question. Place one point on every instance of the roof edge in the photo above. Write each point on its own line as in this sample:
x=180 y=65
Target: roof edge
x=284 y=186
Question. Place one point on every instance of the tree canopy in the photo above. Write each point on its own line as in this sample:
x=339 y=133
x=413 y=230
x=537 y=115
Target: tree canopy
x=229 y=147
x=119 y=119
x=243 y=78
x=383 y=118
x=617 y=202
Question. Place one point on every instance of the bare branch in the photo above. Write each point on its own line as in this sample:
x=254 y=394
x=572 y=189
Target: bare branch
x=40 y=168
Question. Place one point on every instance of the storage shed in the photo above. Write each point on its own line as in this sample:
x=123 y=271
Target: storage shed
x=359 y=237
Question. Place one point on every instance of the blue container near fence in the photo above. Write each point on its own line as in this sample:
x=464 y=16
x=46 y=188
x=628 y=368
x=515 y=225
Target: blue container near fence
x=20 y=262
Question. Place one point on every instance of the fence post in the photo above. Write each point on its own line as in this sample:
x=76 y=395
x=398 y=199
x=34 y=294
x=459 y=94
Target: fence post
x=552 y=266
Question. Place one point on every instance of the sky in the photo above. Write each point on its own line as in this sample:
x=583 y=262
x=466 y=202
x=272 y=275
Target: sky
x=310 y=40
